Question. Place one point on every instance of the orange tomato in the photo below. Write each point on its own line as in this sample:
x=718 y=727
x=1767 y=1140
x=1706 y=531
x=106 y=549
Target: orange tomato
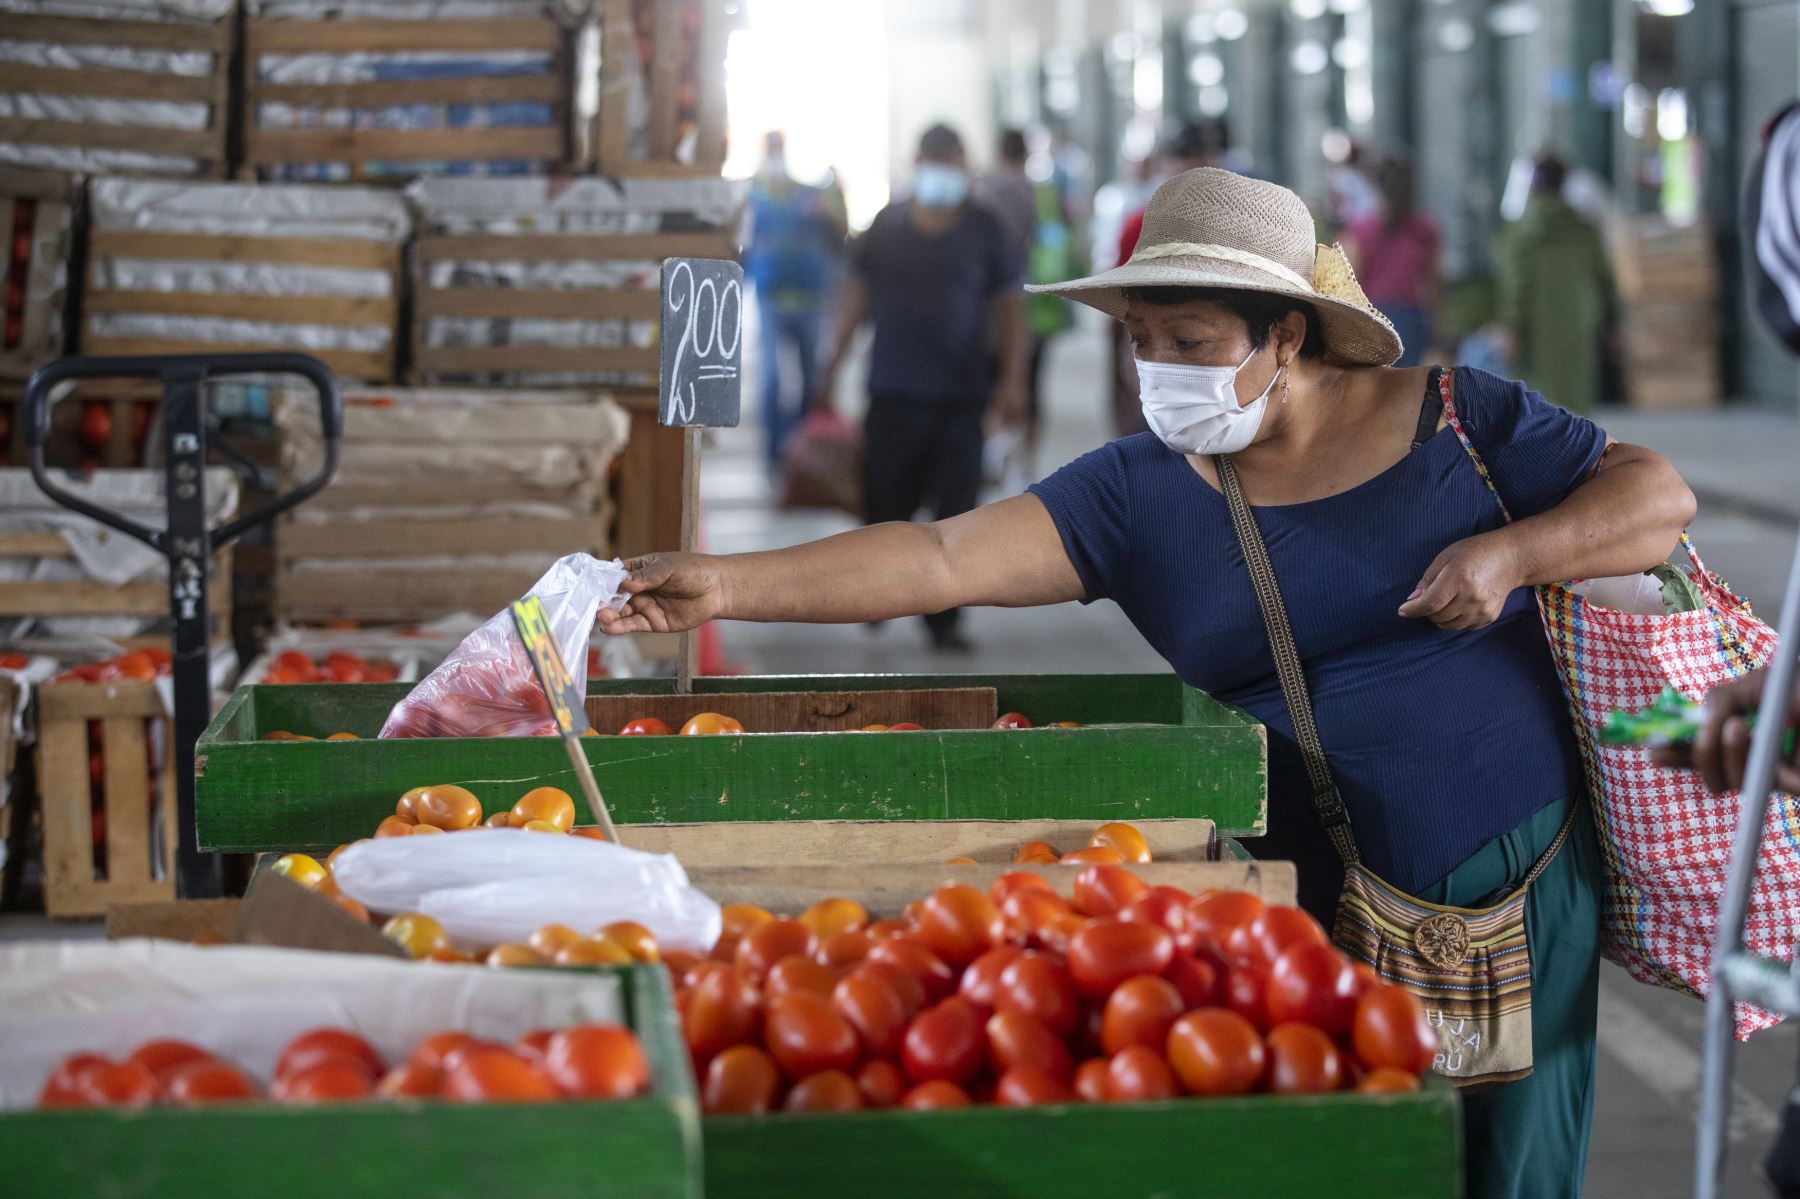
x=394 y=826
x=324 y=1044
x=805 y=1035
x=498 y=820
x=549 y=804
x=826 y=1091
x=905 y=726
x=432 y=829
x=1387 y=1080
x=1167 y=906
x=639 y=941
x=1138 y=1075
x=724 y=1010
x=960 y=923
x=406 y=807
x=937 y=977
x=163 y=1058
x=1101 y=855
x=1389 y=1029
x=1106 y=953
x=935 y=1096
x=492 y=1075
x=136 y=665
x=742 y=1081
x=591 y=831
x=881 y=1083
x=1016 y=1039
x=1034 y=852
x=446 y=807
x=874 y=1009
x=945 y=1042
x=1104 y=890
x=873 y=728
x=980 y=983
x=904 y=983
x=844 y=950
x=710 y=724
x=450 y=955
x=1140 y=1011
x=547 y=939
x=63 y=1086
x=597 y=1061
x=342 y=737
x=116 y=1084
x=1126 y=839
x=778 y=939
x=534 y=1045
x=739 y=920
x=889 y=926
x=299 y=867
x=1216 y=1052
x=1014 y=881
x=513 y=954
x=334 y=1080
x=1091 y=1081
x=1030 y=909
x=420 y=935
x=436 y=1051
x=829 y=917
x=593 y=951
x=350 y=906
x=411 y=1081
x=1031 y=1086
x=1216 y=915
x=207 y=1080
x=331 y=859
x=1040 y=985
x=1303 y=1061
x=542 y=826
x=646 y=726
x=796 y=973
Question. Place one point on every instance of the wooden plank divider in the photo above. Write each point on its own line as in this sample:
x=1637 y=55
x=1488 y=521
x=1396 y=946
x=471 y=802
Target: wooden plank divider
x=377 y=93
x=97 y=135
x=562 y=247
x=299 y=251
x=378 y=36
x=583 y=304
x=266 y=145
x=480 y=360
x=311 y=309
x=112 y=83
x=88 y=31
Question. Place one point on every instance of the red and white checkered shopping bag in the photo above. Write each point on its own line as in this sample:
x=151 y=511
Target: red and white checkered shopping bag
x=1665 y=840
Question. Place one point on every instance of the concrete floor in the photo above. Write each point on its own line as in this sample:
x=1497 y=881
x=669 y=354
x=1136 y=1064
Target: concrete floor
x=1649 y=1061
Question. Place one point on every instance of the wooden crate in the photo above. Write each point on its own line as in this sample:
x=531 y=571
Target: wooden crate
x=131 y=410
x=662 y=113
x=124 y=83
x=37 y=213
x=90 y=597
x=647 y=1147
x=646 y=482
x=1165 y=751
x=402 y=153
x=136 y=851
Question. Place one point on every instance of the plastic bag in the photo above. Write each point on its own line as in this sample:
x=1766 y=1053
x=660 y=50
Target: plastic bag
x=499 y=885
x=486 y=687
x=821 y=465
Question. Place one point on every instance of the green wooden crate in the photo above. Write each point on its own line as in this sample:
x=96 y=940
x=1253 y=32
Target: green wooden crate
x=645 y=1148
x=1183 y=754
x=1345 y=1146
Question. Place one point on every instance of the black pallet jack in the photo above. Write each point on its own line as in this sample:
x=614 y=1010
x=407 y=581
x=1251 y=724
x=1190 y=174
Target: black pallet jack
x=186 y=542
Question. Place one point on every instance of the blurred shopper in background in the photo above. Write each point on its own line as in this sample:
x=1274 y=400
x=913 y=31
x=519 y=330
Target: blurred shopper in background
x=1557 y=303
x=795 y=233
x=1394 y=252
x=1038 y=223
x=938 y=279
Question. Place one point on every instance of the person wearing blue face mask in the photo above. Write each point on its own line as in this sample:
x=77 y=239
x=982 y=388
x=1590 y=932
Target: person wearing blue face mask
x=937 y=277
x=1290 y=470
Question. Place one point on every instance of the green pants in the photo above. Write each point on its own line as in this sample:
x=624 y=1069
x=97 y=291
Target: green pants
x=1529 y=1139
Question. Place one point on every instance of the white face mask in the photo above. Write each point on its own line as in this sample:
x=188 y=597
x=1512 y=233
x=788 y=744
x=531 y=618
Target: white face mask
x=1194 y=409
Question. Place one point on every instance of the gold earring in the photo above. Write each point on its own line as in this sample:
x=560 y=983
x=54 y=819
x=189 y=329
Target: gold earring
x=1286 y=382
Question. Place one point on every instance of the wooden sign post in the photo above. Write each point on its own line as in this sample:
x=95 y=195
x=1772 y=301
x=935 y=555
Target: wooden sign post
x=702 y=339
x=566 y=701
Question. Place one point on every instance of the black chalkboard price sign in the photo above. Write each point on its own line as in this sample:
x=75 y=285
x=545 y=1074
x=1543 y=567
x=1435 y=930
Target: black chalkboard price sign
x=702 y=343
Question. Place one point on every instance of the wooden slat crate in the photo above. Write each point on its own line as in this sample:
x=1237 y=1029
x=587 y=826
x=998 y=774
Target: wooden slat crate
x=90 y=597
x=1153 y=749
x=272 y=150
x=1669 y=284
x=647 y=485
x=131 y=860
x=37 y=232
x=123 y=83
x=371 y=366
x=662 y=111
x=131 y=410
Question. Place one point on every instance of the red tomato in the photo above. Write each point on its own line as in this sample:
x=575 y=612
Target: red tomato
x=1366 y=978
x=905 y=983
x=1091 y=1081
x=805 y=1035
x=322 y=1043
x=1216 y=1052
x=959 y=923
x=1031 y=1086
x=1167 y=906
x=327 y=1080
x=1314 y=984
x=844 y=950
x=1014 y=881
x=116 y=1084
x=826 y=1091
x=1246 y=992
x=724 y=1010
x=1389 y=1028
x=597 y=1061
x=411 y=1081
x=63 y=1086
x=1103 y=890
x=892 y=926
x=881 y=1082
x=1039 y=985
x=1029 y=910
x=935 y=1096
x=1140 y=1011
x=741 y=1081
x=1303 y=1061
x=1217 y=915
x=1093 y=855
x=163 y=1058
x=980 y=983
x=874 y=1009
x=1384 y=1080
x=647 y=726
x=1015 y=1039
x=762 y=948
x=1013 y=720
x=534 y=1045
x=1273 y=930
x=1106 y=953
x=1138 y=1074
x=492 y=1075
x=944 y=1043
x=206 y=1080
x=434 y=1052
x=939 y=980
x=1034 y=853
x=795 y=973
x=1196 y=980
x=905 y=726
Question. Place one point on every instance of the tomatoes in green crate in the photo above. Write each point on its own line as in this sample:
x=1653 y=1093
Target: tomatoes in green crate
x=1216 y=1052
x=1389 y=1030
x=1303 y=1060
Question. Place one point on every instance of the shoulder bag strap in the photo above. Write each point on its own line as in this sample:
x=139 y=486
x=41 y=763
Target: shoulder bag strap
x=1327 y=803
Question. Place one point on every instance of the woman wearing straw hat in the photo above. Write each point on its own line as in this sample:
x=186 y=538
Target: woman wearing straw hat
x=1433 y=693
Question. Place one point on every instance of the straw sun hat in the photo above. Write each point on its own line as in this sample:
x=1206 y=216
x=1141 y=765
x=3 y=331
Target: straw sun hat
x=1214 y=228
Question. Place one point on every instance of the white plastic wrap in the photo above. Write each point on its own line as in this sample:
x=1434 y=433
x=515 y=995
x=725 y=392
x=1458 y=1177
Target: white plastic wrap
x=497 y=885
x=250 y=209
x=246 y=1003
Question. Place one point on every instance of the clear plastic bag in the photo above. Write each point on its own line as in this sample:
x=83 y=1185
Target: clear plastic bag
x=486 y=687
x=496 y=885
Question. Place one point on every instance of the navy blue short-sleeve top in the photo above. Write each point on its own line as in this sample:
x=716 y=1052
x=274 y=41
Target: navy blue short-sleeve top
x=1440 y=741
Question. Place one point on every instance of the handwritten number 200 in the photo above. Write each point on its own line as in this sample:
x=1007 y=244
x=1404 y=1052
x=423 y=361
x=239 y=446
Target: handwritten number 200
x=709 y=328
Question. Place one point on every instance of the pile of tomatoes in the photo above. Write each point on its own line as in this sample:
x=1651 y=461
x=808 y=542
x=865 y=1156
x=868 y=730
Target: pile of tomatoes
x=293 y=666
x=144 y=665
x=1018 y=997
x=330 y=1065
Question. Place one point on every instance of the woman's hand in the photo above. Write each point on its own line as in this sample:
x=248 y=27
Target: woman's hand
x=1467 y=584
x=1721 y=749
x=669 y=594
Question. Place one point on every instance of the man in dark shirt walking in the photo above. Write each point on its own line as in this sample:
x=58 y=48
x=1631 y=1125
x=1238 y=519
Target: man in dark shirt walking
x=937 y=277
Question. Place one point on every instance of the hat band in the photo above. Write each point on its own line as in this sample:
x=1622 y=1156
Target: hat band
x=1188 y=249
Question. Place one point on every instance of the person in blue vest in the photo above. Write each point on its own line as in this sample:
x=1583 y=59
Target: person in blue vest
x=795 y=234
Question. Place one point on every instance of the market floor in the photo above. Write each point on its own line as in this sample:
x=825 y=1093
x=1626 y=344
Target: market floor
x=1649 y=1069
